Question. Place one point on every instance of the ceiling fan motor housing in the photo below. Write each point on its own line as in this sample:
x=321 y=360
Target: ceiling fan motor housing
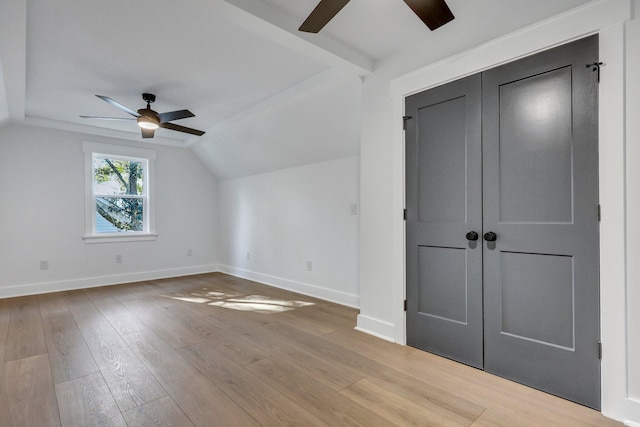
x=149 y=98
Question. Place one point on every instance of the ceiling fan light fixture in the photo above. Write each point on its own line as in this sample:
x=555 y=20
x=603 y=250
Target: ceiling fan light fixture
x=149 y=120
x=146 y=122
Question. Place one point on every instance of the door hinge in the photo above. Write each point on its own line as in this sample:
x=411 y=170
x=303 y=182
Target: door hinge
x=404 y=214
x=599 y=214
x=596 y=67
x=599 y=350
x=405 y=305
x=404 y=122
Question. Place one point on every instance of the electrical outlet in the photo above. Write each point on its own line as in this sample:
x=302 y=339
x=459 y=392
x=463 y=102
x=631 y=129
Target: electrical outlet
x=44 y=264
x=118 y=259
x=309 y=266
x=189 y=252
x=248 y=256
x=353 y=209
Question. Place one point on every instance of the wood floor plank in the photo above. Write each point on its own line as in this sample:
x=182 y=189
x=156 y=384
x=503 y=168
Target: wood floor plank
x=25 y=336
x=399 y=410
x=130 y=381
x=280 y=304
x=176 y=284
x=122 y=292
x=87 y=401
x=259 y=399
x=241 y=323
x=3 y=348
x=197 y=322
x=335 y=310
x=333 y=375
x=122 y=320
x=27 y=395
x=489 y=390
x=5 y=316
x=69 y=355
x=235 y=346
x=421 y=392
x=326 y=404
x=305 y=324
x=464 y=382
x=381 y=351
x=160 y=413
x=526 y=416
x=501 y=416
x=203 y=402
x=166 y=327
x=149 y=292
x=331 y=319
x=246 y=344
x=249 y=287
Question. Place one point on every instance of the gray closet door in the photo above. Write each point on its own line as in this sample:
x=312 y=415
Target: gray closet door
x=541 y=289
x=510 y=152
x=443 y=201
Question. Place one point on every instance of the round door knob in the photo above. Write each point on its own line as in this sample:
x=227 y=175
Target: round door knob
x=472 y=235
x=490 y=236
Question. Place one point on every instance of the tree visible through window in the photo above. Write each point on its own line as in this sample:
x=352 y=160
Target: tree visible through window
x=119 y=189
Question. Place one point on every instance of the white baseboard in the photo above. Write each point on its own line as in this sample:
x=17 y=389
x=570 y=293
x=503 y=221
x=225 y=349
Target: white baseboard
x=376 y=327
x=92 y=282
x=338 y=297
x=631 y=424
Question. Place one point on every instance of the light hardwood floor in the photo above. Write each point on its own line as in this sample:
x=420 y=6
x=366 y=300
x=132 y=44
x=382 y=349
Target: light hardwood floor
x=215 y=350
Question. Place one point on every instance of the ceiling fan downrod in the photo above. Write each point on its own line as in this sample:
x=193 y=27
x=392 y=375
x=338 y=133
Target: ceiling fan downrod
x=149 y=98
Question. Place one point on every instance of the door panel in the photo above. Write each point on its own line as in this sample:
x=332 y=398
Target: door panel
x=535 y=141
x=541 y=324
x=442 y=180
x=537 y=298
x=444 y=269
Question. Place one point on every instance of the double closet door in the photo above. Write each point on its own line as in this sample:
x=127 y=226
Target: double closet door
x=502 y=221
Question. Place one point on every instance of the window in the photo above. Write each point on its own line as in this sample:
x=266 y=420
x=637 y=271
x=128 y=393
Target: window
x=119 y=204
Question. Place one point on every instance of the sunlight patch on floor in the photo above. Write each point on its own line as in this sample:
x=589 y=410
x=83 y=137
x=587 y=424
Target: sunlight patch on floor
x=253 y=303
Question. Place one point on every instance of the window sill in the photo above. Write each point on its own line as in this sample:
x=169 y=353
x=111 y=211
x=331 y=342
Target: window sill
x=117 y=238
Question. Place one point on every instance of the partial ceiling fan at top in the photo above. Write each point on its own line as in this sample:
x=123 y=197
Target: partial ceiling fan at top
x=434 y=13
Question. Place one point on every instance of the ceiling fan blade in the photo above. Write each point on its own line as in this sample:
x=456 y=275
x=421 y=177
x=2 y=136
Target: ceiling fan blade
x=175 y=115
x=321 y=15
x=434 y=13
x=147 y=133
x=108 y=118
x=118 y=105
x=181 y=129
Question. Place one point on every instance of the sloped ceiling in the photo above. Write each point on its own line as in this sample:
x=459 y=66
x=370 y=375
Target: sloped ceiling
x=268 y=96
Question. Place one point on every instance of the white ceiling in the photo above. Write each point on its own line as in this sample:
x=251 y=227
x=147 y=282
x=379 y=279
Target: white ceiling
x=240 y=65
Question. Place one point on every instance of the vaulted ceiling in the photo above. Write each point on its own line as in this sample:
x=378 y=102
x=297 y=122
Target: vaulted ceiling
x=268 y=96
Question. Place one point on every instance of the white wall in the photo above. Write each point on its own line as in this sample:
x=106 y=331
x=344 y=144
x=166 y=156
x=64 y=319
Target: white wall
x=289 y=217
x=382 y=246
x=633 y=205
x=42 y=216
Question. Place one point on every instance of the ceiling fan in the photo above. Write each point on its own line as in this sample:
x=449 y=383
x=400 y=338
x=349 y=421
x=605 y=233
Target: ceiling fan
x=434 y=13
x=149 y=120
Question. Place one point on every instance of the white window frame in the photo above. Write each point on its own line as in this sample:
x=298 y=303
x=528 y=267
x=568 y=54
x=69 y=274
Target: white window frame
x=144 y=155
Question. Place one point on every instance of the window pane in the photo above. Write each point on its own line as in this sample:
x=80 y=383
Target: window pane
x=113 y=177
x=115 y=214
